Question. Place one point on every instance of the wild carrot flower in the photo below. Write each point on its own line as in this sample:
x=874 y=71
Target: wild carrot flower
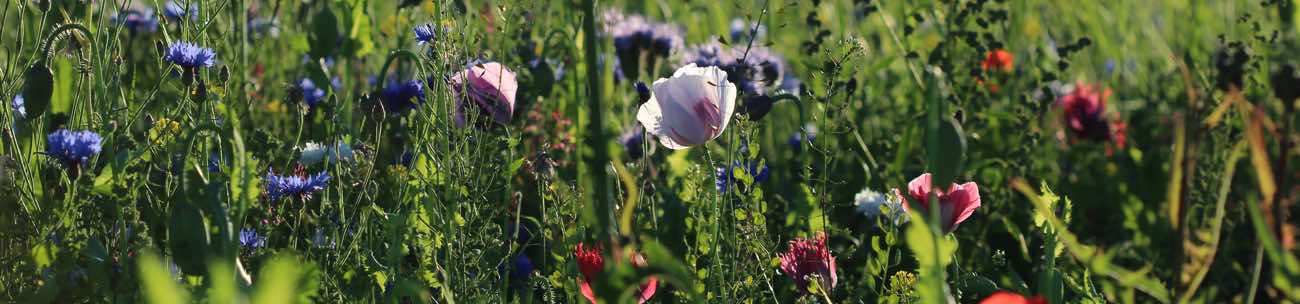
x=489 y=87
x=313 y=153
x=809 y=259
x=300 y=186
x=726 y=176
x=137 y=21
x=399 y=97
x=635 y=37
x=1007 y=297
x=1085 y=115
x=872 y=205
x=956 y=204
x=190 y=56
x=250 y=239
x=72 y=148
x=591 y=262
x=424 y=33
x=307 y=91
x=691 y=108
x=998 y=60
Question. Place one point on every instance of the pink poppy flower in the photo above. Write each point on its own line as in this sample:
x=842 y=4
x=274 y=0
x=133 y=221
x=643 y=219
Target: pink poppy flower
x=956 y=204
x=689 y=109
x=809 y=259
x=490 y=87
x=591 y=262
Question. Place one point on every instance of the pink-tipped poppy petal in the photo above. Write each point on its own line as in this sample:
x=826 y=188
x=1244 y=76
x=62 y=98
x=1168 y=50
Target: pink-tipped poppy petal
x=648 y=290
x=964 y=198
x=919 y=189
x=586 y=291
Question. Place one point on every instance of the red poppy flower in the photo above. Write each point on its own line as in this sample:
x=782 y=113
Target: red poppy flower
x=591 y=262
x=998 y=59
x=1007 y=297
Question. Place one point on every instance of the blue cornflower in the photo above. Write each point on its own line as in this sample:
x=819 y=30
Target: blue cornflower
x=190 y=56
x=726 y=176
x=263 y=27
x=137 y=20
x=250 y=239
x=19 y=106
x=402 y=96
x=310 y=94
x=425 y=33
x=807 y=134
x=72 y=148
x=300 y=186
x=175 y=11
x=521 y=268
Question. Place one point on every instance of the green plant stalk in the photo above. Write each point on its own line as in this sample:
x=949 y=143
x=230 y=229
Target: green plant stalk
x=597 y=192
x=1216 y=225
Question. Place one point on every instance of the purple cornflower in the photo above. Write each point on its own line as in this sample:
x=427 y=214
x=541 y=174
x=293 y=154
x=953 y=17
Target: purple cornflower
x=633 y=36
x=756 y=72
x=310 y=94
x=424 y=33
x=740 y=31
x=633 y=141
x=250 y=239
x=726 y=176
x=301 y=186
x=807 y=134
x=175 y=11
x=403 y=96
x=19 y=106
x=190 y=56
x=72 y=148
x=137 y=20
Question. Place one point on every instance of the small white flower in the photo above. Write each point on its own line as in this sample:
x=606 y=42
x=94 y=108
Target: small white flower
x=313 y=153
x=873 y=204
x=689 y=109
x=867 y=202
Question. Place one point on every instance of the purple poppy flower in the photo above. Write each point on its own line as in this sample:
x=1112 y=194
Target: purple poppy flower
x=489 y=87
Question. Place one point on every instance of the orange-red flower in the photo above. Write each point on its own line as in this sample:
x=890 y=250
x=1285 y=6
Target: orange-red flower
x=1007 y=297
x=998 y=59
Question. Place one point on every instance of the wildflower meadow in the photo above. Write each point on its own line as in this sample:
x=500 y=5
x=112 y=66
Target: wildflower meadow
x=649 y=151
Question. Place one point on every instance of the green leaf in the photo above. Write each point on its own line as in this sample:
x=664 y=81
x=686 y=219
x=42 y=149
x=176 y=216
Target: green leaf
x=664 y=264
x=359 y=34
x=44 y=255
x=286 y=279
x=189 y=238
x=104 y=182
x=158 y=284
x=933 y=254
x=61 y=101
x=952 y=152
x=325 y=33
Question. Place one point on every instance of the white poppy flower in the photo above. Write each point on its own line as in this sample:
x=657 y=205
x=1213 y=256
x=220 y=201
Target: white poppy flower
x=689 y=109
